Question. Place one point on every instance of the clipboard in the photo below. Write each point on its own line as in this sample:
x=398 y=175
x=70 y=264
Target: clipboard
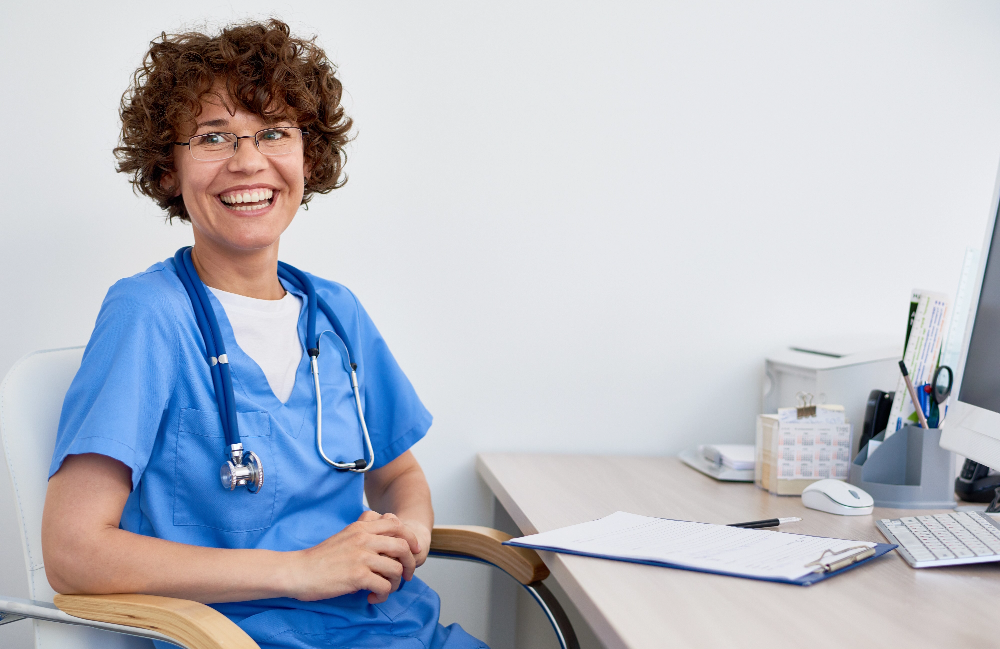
x=828 y=564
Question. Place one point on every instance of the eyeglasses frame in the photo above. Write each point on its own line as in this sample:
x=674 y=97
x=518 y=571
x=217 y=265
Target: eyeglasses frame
x=236 y=144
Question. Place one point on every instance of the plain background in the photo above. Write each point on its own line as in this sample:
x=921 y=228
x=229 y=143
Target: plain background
x=580 y=226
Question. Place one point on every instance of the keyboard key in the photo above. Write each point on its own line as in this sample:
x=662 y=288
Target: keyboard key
x=942 y=553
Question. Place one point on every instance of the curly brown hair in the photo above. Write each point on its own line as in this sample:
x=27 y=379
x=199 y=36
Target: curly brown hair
x=265 y=70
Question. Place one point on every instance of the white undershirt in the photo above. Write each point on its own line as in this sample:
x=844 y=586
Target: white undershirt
x=267 y=331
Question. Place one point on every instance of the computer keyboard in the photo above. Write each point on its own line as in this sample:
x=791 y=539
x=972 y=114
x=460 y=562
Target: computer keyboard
x=944 y=539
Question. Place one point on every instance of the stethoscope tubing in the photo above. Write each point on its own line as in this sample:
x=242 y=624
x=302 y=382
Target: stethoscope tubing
x=342 y=466
x=208 y=324
x=214 y=346
x=299 y=279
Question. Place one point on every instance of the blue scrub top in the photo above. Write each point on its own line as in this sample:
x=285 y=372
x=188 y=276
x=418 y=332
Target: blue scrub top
x=144 y=396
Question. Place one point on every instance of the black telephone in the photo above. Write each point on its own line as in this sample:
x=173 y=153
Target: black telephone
x=975 y=484
x=876 y=415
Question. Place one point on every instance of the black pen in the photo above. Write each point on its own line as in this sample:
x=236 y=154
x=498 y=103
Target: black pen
x=771 y=522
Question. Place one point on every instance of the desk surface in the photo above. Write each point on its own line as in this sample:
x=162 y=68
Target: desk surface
x=883 y=604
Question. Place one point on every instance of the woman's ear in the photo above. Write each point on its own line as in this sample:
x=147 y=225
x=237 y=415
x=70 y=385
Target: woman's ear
x=168 y=183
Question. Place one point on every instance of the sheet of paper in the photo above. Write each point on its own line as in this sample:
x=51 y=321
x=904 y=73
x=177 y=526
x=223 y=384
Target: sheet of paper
x=825 y=414
x=713 y=548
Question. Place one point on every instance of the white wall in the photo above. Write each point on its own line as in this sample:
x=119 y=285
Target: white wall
x=579 y=225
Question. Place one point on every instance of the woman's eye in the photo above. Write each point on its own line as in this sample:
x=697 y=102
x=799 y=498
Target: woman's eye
x=213 y=138
x=272 y=135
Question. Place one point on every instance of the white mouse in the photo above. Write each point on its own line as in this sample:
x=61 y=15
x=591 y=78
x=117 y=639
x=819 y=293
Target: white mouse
x=837 y=497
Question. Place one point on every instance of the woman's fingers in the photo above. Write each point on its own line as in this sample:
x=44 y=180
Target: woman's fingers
x=369 y=515
x=398 y=550
x=393 y=527
x=379 y=588
x=388 y=569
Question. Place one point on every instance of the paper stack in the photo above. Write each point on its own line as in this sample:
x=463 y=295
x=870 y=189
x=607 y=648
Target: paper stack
x=799 y=446
x=733 y=456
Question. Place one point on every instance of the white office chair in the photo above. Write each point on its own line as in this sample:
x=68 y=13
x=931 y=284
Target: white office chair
x=31 y=399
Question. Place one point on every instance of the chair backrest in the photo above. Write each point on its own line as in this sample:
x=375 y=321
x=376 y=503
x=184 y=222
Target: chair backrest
x=31 y=398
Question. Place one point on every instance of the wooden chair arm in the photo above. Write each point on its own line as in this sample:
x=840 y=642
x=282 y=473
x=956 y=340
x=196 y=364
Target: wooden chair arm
x=193 y=625
x=198 y=626
x=484 y=543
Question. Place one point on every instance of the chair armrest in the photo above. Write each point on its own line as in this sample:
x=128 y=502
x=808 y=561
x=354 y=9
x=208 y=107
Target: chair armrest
x=484 y=543
x=192 y=624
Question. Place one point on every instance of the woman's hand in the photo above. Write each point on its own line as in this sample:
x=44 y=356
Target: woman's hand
x=422 y=532
x=375 y=553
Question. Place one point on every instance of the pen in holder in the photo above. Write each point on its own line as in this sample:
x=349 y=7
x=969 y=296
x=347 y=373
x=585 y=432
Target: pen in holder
x=907 y=470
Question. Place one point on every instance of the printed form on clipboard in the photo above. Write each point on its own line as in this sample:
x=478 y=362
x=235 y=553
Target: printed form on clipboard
x=720 y=549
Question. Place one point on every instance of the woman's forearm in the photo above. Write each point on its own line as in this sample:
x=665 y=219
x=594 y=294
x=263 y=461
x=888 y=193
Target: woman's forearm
x=86 y=552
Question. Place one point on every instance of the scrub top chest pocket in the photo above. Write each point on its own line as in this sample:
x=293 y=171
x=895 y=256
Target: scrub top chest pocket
x=199 y=497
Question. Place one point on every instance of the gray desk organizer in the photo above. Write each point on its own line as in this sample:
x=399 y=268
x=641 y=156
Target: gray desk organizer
x=909 y=470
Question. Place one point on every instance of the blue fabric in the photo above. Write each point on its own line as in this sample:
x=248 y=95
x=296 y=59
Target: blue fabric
x=144 y=396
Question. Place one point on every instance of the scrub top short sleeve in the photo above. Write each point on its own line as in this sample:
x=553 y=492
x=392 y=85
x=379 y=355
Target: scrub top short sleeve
x=115 y=403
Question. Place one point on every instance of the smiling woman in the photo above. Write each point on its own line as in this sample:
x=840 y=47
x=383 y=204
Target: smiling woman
x=200 y=360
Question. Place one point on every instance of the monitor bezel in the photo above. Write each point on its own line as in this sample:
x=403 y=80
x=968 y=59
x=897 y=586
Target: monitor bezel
x=960 y=430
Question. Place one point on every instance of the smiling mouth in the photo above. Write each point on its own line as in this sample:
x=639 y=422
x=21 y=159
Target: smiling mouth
x=248 y=200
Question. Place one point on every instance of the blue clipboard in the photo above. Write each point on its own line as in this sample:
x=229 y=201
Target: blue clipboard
x=805 y=580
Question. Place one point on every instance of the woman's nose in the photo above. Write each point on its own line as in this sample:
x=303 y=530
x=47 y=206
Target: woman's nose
x=248 y=158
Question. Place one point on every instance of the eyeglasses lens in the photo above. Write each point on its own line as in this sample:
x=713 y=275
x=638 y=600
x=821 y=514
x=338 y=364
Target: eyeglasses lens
x=269 y=141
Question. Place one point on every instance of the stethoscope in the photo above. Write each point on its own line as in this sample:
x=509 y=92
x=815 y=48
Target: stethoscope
x=244 y=468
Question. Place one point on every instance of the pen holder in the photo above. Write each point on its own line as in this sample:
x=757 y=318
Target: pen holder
x=909 y=470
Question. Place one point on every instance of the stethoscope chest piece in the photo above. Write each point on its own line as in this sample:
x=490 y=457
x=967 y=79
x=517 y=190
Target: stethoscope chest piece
x=244 y=469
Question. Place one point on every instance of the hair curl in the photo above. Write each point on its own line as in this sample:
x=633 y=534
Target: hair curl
x=265 y=71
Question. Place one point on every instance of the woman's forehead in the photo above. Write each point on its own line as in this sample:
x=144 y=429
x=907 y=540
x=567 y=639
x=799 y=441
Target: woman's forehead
x=221 y=111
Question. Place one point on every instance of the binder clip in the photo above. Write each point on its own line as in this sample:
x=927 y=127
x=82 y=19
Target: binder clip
x=806 y=408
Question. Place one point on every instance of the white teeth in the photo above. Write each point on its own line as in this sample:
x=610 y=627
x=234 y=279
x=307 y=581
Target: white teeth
x=253 y=196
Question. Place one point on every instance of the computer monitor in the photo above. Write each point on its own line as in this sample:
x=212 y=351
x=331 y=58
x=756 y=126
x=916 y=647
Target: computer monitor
x=972 y=425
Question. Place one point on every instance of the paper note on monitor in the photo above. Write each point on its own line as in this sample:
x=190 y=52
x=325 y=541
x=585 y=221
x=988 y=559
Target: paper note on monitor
x=923 y=345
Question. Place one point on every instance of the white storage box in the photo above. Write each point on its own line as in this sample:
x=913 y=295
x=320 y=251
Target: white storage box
x=841 y=372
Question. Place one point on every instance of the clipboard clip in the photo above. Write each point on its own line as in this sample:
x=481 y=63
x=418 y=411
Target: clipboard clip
x=841 y=559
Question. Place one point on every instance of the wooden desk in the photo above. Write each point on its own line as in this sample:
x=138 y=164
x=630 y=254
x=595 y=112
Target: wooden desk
x=883 y=604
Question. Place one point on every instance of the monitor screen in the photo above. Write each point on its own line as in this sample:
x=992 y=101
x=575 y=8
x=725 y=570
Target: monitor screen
x=981 y=379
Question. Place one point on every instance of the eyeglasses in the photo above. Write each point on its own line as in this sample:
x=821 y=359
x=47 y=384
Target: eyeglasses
x=275 y=141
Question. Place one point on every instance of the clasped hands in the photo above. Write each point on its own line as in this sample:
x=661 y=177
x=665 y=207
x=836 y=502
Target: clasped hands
x=375 y=553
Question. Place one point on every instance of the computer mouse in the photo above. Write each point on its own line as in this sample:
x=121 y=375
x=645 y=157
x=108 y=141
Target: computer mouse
x=837 y=497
